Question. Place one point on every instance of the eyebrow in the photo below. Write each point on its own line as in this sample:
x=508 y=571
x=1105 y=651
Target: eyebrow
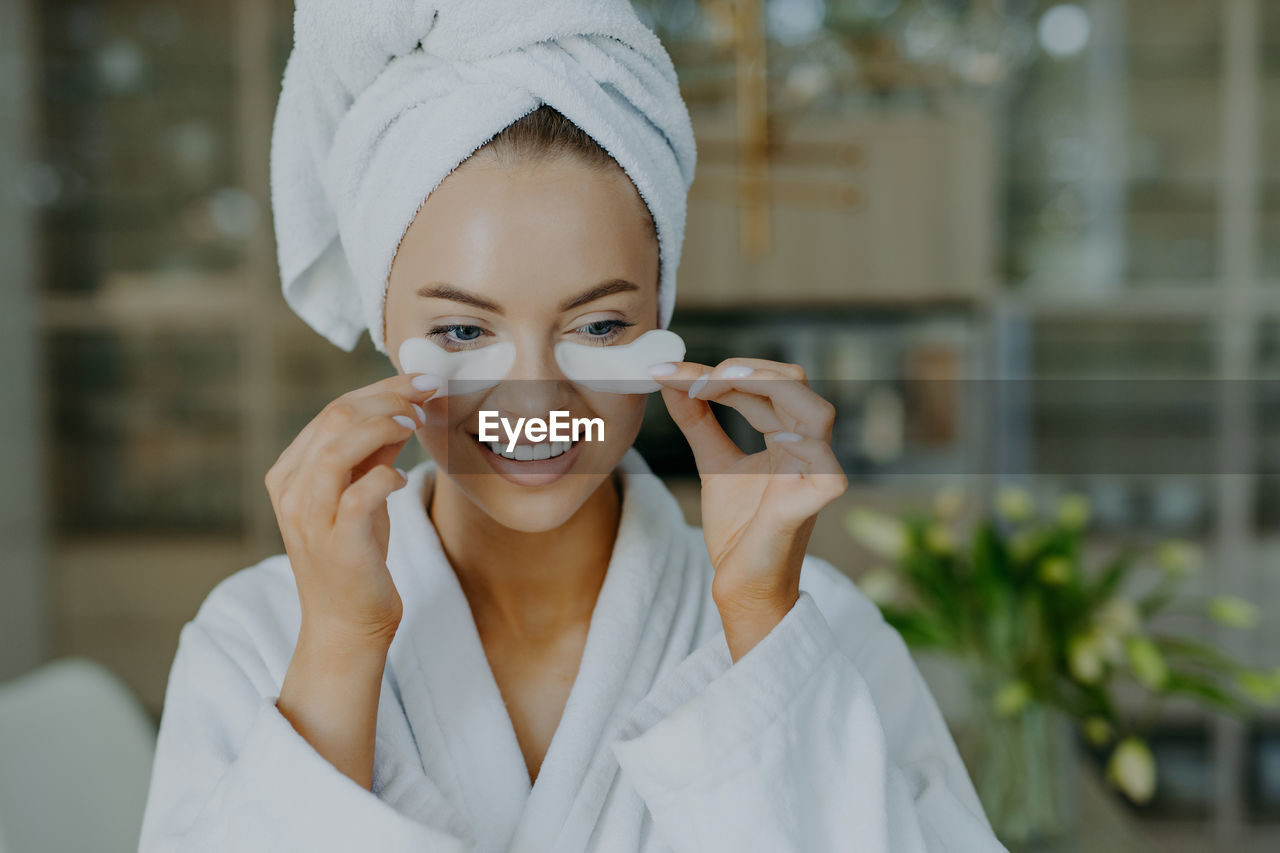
x=443 y=290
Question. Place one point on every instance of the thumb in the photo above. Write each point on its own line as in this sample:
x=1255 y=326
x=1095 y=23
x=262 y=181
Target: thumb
x=713 y=450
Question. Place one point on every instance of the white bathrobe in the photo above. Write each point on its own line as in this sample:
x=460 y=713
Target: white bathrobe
x=822 y=738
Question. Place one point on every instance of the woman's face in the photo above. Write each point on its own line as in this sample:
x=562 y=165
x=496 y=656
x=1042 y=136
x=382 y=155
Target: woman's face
x=533 y=254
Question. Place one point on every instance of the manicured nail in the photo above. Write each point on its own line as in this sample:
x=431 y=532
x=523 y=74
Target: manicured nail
x=417 y=410
x=426 y=381
x=404 y=421
x=737 y=371
x=698 y=385
x=787 y=436
x=663 y=368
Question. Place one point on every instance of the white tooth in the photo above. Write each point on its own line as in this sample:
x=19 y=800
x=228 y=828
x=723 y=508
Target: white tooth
x=496 y=447
x=558 y=447
x=542 y=451
x=524 y=452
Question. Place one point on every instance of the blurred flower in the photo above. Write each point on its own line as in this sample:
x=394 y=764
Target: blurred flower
x=1261 y=686
x=1179 y=558
x=1074 y=511
x=1118 y=616
x=1133 y=770
x=1012 y=698
x=1055 y=571
x=1084 y=658
x=1097 y=731
x=1023 y=544
x=880 y=533
x=1146 y=662
x=948 y=503
x=1015 y=503
x=880 y=584
x=939 y=539
x=1233 y=612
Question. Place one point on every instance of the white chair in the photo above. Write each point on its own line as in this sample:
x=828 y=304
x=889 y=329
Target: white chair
x=76 y=751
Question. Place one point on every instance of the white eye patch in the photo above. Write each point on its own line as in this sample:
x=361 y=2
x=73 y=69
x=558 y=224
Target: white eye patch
x=622 y=369
x=480 y=368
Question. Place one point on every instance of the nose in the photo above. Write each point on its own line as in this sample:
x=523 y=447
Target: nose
x=534 y=386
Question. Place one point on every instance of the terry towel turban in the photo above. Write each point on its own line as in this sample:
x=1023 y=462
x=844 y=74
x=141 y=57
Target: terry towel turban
x=382 y=99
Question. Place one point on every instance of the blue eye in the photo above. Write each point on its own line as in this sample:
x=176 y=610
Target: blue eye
x=450 y=334
x=459 y=336
x=603 y=331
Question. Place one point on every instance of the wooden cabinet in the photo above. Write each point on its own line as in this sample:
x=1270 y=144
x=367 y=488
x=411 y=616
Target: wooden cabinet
x=881 y=209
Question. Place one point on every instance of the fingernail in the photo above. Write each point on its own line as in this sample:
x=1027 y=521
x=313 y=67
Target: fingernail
x=698 y=385
x=663 y=368
x=417 y=410
x=426 y=381
x=737 y=371
x=404 y=421
x=787 y=436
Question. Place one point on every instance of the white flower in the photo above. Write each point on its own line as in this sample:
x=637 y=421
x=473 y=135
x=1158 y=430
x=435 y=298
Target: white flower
x=1118 y=616
x=939 y=539
x=1012 y=698
x=1098 y=731
x=1084 y=658
x=1179 y=558
x=1055 y=571
x=880 y=585
x=1015 y=503
x=1233 y=612
x=1262 y=687
x=1146 y=662
x=1133 y=770
x=948 y=503
x=1074 y=511
x=882 y=534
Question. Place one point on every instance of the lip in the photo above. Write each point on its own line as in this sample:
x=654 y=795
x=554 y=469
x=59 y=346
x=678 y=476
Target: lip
x=534 y=472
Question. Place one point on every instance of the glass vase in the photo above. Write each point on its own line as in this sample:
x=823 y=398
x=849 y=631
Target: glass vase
x=1023 y=767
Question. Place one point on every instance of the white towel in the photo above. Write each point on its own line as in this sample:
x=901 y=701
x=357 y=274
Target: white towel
x=382 y=99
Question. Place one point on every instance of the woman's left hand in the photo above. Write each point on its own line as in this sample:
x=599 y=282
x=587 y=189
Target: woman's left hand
x=758 y=509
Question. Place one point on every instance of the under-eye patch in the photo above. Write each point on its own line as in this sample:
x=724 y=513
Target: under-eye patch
x=620 y=369
x=478 y=368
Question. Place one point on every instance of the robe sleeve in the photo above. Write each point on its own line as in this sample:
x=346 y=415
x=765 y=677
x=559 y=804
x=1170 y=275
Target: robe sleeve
x=231 y=773
x=811 y=742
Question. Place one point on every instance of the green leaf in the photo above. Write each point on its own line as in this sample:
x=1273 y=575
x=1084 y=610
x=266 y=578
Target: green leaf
x=1202 y=688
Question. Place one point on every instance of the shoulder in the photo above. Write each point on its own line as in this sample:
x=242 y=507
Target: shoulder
x=250 y=618
x=854 y=619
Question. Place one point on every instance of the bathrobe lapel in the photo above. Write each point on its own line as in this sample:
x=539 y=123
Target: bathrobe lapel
x=646 y=621
x=452 y=702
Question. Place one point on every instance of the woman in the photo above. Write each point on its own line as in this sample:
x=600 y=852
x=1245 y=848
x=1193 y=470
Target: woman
x=487 y=654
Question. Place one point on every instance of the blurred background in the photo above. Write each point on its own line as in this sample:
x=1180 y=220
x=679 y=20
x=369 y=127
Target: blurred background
x=1014 y=241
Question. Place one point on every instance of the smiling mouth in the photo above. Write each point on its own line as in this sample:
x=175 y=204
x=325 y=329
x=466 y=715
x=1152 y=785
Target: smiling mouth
x=527 y=452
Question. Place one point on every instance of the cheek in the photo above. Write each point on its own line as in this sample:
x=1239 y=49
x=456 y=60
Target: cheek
x=622 y=414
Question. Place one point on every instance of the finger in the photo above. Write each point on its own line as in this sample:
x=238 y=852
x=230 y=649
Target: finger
x=812 y=474
x=815 y=455
x=364 y=496
x=713 y=450
x=757 y=410
x=393 y=395
x=341 y=459
x=796 y=406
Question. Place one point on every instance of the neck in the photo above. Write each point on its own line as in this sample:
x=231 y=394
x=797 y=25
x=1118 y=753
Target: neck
x=535 y=585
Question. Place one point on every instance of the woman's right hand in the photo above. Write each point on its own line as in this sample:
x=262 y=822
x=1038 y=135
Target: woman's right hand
x=329 y=490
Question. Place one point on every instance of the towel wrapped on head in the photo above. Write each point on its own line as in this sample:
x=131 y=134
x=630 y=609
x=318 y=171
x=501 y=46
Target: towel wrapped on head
x=382 y=99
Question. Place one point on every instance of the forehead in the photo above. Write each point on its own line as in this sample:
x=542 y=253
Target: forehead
x=559 y=221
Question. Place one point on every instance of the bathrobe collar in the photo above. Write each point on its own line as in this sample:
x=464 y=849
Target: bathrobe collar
x=642 y=625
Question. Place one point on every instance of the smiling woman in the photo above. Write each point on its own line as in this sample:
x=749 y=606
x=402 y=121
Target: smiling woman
x=533 y=654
